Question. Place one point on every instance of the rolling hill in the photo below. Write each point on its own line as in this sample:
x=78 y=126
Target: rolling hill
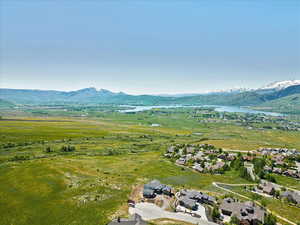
x=6 y=104
x=278 y=98
x=288 y=104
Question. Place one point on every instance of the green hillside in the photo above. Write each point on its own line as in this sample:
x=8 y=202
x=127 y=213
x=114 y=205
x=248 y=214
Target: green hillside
x=5 y=104
x=274 y=99
x=288 y=104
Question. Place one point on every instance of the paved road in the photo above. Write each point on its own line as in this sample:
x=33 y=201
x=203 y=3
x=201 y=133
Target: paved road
x=149 y=211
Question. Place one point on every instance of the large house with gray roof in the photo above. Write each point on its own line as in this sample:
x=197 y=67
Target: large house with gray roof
x=198 y=196
x=245 y=212
x=155 y=187
x=291 y=196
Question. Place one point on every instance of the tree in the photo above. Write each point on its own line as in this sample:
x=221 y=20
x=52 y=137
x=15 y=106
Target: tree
x=244 y=173
x=277 y=193
x=263 y=203
x=68 y=148
x=234 y=220
x=270 y=220
x=270 y=178
x=48 y=149
x=215 y=213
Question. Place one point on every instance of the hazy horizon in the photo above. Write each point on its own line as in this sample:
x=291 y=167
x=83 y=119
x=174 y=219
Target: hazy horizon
x=140 y=47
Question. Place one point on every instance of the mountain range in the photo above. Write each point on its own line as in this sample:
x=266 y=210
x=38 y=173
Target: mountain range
x=273 y=94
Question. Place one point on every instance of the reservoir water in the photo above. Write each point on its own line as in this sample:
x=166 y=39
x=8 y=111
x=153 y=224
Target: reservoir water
x=217 y=108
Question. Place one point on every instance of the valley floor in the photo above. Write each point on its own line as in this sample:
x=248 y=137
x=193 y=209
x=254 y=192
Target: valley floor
x=92 y=184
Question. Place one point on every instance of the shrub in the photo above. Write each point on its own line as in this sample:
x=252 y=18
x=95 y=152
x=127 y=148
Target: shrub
x=48 y=149
x=215 y=213
x=20 y=158
x=234 y=220
x=68 y=148
x=270 y=220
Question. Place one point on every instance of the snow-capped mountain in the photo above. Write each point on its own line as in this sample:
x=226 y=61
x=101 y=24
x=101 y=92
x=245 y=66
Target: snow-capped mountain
x=279 y=85
x=232 y=91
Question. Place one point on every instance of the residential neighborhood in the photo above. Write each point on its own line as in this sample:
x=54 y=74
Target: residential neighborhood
x=155 y=200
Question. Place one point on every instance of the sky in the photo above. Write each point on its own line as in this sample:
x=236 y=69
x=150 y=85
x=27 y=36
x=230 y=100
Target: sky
x=148 y=47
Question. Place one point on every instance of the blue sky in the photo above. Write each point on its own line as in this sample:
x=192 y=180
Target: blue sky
x=149 y=47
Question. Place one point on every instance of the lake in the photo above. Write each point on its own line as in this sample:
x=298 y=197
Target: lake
x=217 y=108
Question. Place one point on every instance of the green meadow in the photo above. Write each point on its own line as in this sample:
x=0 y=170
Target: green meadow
x=114 y=152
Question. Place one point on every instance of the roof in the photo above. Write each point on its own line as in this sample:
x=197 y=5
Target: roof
x=295 y=196
x=189 y=203
x=268 y=188
x=167 y=188
x=196 y=195
x=148 y=192
x=243 y=210
x=153 y=185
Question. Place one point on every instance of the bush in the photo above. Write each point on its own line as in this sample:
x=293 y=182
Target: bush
x=270 y=220
x=244 y=174
x=234 y=220
x=215 y=213
x=20 y=158
x=68 y=148
x=48 y=149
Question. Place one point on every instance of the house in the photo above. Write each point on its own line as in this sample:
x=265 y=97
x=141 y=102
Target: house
x=279 y=163
x=198 y=196
x=268 y=189
x=181 y=161
x=155 y=187
x=199 y=156
x=188 y=157
x=267 y=169
x=148 y=193
x=248 y=158
x=188 y=203
x=246 y=212
x=198 y=168
x=218 y=165
x=291 y=173
x=135 y=220
x=291 y=196
x=171 y=149
x=207 y=199
x=231 y=156
x=277 y=170
x=167 y=190
x=190 y=150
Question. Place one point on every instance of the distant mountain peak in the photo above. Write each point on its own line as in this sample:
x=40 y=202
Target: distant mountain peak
x=90 y=89
x=279 y=85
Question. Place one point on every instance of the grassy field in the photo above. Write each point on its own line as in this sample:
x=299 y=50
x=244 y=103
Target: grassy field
x=220 y=134
x=287 y=181
x=51 y=190
x=114 y=152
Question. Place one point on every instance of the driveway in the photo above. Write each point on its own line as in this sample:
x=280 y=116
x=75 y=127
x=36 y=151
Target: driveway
x=149 y=211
